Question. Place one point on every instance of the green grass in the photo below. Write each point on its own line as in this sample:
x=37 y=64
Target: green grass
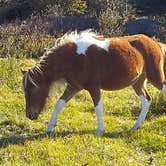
x=24 y=142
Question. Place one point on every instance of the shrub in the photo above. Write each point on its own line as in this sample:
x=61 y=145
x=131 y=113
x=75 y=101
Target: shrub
x=113 y=18
x=18 y=42
x=163 y=32
x=13 y=9
x=76 y=7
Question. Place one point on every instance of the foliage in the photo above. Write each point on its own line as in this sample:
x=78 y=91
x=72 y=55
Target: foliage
x=12 y=9
x=17 y=41
x=113 y=18
x=162 y=19
x=74 y=7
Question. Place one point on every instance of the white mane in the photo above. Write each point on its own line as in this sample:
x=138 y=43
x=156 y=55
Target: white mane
x=83 y=40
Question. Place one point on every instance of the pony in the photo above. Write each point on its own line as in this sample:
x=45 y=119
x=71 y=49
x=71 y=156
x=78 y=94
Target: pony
x=91 y=62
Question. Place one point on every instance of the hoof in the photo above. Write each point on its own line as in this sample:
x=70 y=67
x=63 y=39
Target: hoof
x=100 y=132
x=135 y=127
x=49 y=133
x=50 y=129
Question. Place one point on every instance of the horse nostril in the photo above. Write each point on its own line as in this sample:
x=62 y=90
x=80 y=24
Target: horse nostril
x=35 y=115
x=32 y=116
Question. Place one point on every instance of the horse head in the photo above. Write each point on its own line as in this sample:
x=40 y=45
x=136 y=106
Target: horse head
x=36 y=91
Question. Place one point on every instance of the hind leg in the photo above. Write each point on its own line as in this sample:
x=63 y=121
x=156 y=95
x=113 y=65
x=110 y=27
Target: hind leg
x=158 y=80
x=140 y=89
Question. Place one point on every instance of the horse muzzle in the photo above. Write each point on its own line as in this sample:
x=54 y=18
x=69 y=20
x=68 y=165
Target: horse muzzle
x=32 y=116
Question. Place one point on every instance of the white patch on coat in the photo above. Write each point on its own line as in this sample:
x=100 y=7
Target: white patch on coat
x=145 y=107
x=85 y=39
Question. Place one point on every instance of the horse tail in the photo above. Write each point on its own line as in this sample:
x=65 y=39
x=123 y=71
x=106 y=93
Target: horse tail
x=163 y=48
x=153 y=57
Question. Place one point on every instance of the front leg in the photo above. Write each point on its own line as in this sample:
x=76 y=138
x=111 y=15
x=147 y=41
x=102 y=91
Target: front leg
x=58 y=107
x=99 y=109
x=69 y=92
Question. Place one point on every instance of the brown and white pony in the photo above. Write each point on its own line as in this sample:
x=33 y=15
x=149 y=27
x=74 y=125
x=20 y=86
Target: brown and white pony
x=91 y=62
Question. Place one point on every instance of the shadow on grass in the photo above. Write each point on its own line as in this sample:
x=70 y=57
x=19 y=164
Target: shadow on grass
x=156 y=109
x=21 y=139
x=118 y=134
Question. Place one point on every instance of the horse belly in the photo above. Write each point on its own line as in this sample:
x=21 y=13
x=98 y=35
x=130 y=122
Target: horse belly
x=119 y=83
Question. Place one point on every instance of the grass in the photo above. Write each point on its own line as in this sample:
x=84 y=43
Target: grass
x=24 y=142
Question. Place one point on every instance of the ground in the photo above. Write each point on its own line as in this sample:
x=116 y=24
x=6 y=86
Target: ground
x=24 y=142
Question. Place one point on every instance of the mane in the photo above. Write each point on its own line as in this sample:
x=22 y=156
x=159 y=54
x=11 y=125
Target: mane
x=28 y=77
x=73 y=37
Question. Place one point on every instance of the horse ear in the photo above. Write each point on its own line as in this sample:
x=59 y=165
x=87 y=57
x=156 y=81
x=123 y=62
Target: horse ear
x=23 y=71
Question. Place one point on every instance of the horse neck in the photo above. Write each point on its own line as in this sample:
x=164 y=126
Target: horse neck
x=57 y=64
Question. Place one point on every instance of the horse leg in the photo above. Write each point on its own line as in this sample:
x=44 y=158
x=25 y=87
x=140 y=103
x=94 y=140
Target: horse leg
x=156 y=76
x=95 y=95
x=67 y=95
x=140 y=89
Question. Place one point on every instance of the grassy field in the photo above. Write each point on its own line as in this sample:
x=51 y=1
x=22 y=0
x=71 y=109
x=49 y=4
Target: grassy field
x=24 y=142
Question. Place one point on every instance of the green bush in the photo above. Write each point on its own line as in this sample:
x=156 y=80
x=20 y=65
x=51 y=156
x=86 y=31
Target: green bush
x=75 y=7
x=71 y=7
x=112 y=19
x=17 y=43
